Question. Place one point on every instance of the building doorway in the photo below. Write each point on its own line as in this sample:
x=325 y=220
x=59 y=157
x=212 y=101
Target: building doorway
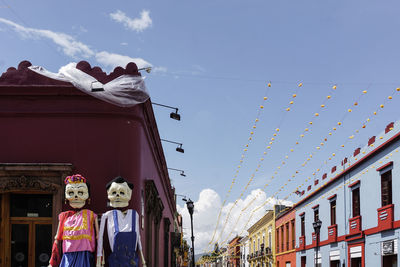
x=30 y=200
x=335 y=263
x=389 y=261
x=26 y=229
x=356 y=262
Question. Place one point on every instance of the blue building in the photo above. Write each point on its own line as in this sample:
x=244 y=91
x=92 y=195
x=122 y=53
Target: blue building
x=357 y=208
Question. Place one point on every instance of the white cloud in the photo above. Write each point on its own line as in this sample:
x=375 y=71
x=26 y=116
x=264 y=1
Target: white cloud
x=136 y=24
x=159 y=69
x=112 y=60
x=75 y=49
x=206 y=214
x=67 y=43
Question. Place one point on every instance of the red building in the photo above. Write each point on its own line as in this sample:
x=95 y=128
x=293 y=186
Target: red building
x=285 y=238
x=50 y=129
x=234 y=252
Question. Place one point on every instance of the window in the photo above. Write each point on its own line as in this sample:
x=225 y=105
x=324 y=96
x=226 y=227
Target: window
x=356 y=201
x=270 y=237
x=333 y=211
x=386 y=188
x=277 y=240
x=287 y=236
x=303 y=261
x=316 y=214
x=302 y=226
x=282 y=239
x=293 y=235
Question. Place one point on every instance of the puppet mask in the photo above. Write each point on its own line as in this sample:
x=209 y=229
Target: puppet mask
x=76 y=194
x=119 y=195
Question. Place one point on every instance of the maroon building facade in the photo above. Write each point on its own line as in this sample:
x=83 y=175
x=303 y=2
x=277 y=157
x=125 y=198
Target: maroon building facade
x=48 y=130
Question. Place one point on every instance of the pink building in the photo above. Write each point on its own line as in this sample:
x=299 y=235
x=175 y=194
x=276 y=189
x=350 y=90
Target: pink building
x=50 y=129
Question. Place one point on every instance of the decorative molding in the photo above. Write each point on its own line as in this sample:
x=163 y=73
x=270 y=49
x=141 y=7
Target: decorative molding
x=384 y=166
x=23 y=183
x=154 y=205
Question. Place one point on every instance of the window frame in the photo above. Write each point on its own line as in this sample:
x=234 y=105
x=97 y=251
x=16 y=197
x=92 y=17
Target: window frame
x=332 y=209
x=355 y=205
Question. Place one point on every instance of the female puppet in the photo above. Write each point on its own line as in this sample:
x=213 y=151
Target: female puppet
x=122 y=227
x=77 y=228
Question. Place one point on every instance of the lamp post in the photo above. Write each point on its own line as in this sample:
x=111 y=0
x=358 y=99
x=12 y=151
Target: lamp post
x=190 y=207
x=317 y=226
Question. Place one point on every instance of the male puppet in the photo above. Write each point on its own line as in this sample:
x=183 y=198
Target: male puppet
x=76 y=228
x=122 y=227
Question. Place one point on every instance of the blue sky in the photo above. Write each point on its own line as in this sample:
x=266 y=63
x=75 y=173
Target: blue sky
x=213 y=60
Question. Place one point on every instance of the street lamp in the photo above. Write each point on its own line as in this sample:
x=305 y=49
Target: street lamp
x=317 y=226
x=182 y=172
x=172 y=115
x=179 y=148
x=190 y=207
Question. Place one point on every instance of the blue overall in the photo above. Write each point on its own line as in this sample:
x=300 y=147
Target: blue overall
x=124 y=249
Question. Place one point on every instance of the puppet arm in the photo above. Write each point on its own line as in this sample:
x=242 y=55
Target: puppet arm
x=100 y=254
x=55 y=244
x=139 y=240
x=96 y=227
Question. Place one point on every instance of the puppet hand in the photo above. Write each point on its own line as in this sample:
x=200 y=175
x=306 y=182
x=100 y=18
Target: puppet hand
x=98 y=262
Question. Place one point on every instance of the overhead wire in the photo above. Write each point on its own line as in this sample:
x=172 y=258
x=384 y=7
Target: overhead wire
x=266 y=202
x=270 y=141
x=282 y=187
x=246 y=147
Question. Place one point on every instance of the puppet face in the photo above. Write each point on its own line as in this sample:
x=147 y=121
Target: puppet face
x=77 y=194
x=119 y=195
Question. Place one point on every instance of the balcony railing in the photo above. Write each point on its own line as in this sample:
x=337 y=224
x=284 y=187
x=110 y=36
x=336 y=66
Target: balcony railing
x=355 y=225
x=385 y=217
x=332 y=233
x=302 y=242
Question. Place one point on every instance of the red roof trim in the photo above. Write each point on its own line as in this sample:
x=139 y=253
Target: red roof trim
x=302 y=214
x=331 y=197
x=355 y=183
x=351 y=167
x=384 y=166
x=315 y=207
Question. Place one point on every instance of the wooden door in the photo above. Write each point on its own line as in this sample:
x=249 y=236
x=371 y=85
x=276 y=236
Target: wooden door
x=27 y=224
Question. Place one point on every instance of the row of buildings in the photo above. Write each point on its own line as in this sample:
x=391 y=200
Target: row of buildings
x=348 y=217
x=49 y=130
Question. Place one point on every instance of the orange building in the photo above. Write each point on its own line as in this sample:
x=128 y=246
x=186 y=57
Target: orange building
x=234 y=252
x=285 y=238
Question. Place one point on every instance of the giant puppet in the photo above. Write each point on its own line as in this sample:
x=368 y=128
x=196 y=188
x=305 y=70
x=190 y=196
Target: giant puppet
x=77 y=228
x=122 y=228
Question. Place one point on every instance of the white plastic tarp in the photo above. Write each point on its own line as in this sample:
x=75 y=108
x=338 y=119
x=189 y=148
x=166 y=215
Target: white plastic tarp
x=123 y=91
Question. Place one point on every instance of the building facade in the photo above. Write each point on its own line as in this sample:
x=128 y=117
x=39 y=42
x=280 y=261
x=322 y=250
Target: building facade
x=244 y=251
x=285 y=236
x=234 y=252
x=353 y=219
x=262 y=241
x=50 y=130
